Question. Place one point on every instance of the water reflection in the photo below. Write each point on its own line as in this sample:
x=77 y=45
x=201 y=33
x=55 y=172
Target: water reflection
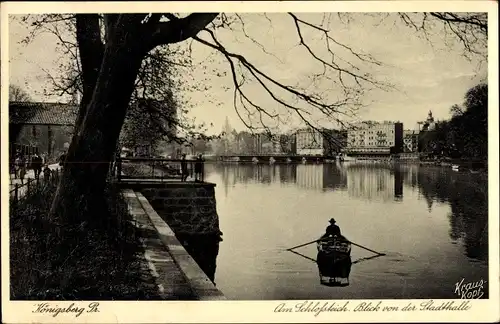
x=204 y=250
x=430 y=222
x=360 y=181
x=334 y=272
x=467 y=196
x=465 y=193
x=334 y=177
x=373 y=182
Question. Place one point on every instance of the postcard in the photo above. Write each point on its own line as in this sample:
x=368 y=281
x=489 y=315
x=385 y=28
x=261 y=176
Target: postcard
x=267 y=162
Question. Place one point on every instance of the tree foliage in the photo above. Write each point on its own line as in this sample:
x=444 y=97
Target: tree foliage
x=465 y=135
x=163 y=76
x=146 y=124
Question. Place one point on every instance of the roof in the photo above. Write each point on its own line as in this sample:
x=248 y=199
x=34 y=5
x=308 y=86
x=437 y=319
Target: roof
x=42 y=113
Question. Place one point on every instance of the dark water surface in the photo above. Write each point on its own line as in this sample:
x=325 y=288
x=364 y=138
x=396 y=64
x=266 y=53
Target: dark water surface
x=430 y=222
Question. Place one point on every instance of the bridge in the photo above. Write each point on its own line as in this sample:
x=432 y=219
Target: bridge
x=277 y=157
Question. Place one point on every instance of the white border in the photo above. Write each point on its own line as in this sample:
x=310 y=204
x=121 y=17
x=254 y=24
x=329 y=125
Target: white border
x=255 y=311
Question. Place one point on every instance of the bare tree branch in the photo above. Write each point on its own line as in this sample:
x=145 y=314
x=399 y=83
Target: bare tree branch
x=16 y=93
x=469 y=29
x=479 y=20
x=344 y=73
x=333 y=110
x=180 y=29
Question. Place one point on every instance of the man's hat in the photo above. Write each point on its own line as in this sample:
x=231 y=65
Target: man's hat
x=332 y=220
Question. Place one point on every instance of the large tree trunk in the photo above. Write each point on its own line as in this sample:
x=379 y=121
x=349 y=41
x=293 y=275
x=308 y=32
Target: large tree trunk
x=91 y=50
x=79 y=196
x=80 y=193
x=91 y=54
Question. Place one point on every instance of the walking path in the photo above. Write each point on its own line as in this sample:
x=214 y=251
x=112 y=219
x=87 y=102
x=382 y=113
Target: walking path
x=30 y=174
x=177 y=275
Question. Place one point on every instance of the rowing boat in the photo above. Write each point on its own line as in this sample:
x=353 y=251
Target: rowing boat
x=334 y=245
x=334 y=261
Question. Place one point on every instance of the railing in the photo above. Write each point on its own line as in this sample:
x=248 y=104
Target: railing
x=258 y=154
x=162 y=169
x=24 y=189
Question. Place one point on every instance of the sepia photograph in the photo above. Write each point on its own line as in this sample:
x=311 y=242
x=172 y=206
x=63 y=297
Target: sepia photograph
x=325 y=161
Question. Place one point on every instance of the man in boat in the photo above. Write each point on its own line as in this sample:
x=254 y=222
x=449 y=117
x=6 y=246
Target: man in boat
x=332 y=229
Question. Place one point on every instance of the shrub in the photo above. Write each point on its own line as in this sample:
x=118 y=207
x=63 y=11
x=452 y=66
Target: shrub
x=49 y=261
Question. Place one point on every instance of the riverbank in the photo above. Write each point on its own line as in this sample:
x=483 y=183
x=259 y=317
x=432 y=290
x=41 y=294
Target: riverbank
x=462 y=166
x=77 y=262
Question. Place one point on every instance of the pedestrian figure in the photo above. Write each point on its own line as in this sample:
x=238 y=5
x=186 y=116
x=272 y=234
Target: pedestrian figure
x=17 y=165
x=36 y=164
x=46 y=173
x=184 y=168
x=13 y=168
x=62 y=160
x=22 y=171
x=198 y=168
x=44 y=158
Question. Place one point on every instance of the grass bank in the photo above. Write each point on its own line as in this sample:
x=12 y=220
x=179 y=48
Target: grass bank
x=105 y=263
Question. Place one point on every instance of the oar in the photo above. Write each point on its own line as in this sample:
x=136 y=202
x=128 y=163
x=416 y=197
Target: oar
x=302 y=245
x=304 y=256
x=367 y=258
x=363 y=247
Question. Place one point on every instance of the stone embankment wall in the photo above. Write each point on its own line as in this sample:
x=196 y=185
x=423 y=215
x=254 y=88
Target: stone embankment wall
x=178 y=275
x=189 y=208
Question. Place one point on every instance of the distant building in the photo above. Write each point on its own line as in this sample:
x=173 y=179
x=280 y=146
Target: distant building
x=277 y=149
x=263 y=143
x=375 y=139
x=293 y=143
x=429 y=124
x=309 y=142
x=246 y=143
x=286 y=142
x=267 y=147
x=424 y=136
x=410 y=141
x=257 y=144
x=334 y=141
x=46 y=127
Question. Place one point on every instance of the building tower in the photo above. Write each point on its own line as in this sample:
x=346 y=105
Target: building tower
x=430 y=119
x=429 y=123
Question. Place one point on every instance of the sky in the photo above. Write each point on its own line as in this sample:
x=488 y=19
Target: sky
x=425 y=74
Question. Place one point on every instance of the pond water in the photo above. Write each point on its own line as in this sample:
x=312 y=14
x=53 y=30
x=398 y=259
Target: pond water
x=430 y=222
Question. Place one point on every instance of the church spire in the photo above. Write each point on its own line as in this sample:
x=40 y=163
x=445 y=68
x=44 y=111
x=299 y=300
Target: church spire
x=227 y=127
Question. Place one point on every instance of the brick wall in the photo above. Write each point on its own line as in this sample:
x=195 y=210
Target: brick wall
x=189 y=208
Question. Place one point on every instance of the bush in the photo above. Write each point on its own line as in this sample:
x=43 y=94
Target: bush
x=50 y=261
